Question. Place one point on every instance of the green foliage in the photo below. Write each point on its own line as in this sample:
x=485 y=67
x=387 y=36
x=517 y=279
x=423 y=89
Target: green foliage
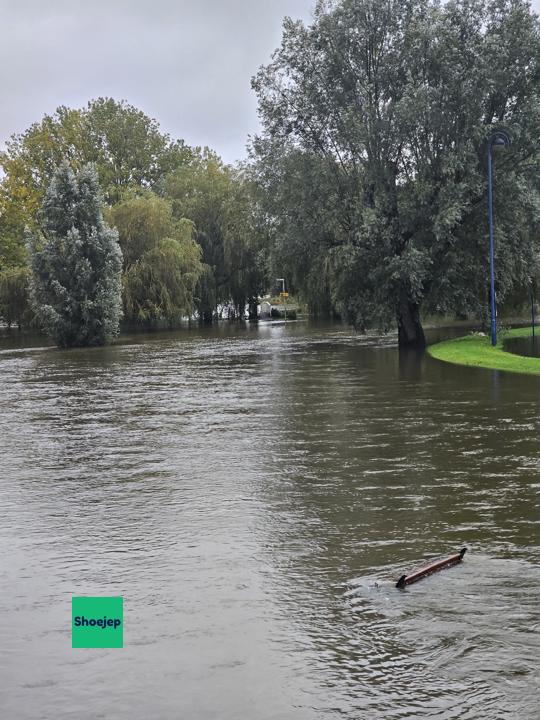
x=220 y=203
x=199 y=192
x=76 y=262
x=162 y=261
x=372 y=159
x=142 y=221
x=244 y=240
x=142 y=172
x=30 y=161
x=161 y=284
x=12 y=250
x=14 y=297
x=127 y=147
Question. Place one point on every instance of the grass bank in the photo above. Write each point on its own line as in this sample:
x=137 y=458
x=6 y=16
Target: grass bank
x=476 y=351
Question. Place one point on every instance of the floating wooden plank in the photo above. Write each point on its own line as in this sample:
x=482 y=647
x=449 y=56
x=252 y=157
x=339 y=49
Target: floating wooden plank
x=430 y=569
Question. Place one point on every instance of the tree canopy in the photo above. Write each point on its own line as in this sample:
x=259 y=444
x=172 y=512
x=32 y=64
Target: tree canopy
x=372 y=156
x=126 y=146
x=178 y=207
x=162 y=261
x=220 y=201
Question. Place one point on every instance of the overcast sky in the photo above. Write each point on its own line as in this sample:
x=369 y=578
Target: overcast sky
x=187 y=63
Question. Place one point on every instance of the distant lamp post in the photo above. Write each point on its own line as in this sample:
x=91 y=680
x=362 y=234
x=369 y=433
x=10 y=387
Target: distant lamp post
x=497 y=141
x=283 y=294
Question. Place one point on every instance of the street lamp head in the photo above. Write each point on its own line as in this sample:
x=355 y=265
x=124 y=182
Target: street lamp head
x=499 y=140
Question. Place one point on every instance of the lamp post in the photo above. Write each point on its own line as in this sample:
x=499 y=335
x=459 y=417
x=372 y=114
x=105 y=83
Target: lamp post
x=283 y=295
x=533 y=303
x=498 y=140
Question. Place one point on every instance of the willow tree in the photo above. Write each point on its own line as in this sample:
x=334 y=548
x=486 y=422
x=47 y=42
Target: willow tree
x=219 y=201
x=76 y=262
x=394 y=100
x=162 y=261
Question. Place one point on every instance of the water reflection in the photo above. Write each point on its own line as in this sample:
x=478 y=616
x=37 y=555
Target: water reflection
x=411 y=364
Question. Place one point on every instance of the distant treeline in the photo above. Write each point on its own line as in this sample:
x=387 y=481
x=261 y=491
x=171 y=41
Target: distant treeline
x=185 y=221
x=366 y=188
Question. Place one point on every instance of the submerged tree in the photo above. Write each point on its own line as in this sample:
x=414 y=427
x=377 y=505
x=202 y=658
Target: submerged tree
x=76 y=262
x=14 y=299
x=243 y=244
x=393 y=101
x=218 y=200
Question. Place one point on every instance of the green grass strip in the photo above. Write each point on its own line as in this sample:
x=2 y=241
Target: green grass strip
x=476 y=351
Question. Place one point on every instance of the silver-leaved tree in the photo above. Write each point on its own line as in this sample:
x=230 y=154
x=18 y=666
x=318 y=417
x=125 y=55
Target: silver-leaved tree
x=372 y=156
x=76 y=263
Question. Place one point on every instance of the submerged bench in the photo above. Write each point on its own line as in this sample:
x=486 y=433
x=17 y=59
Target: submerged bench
x=430 y=569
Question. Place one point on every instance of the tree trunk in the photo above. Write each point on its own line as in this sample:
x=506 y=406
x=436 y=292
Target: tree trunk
x=253 y=309
x=410 y=331
x=206 y=317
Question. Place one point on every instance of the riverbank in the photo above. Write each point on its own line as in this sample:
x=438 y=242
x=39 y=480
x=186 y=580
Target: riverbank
x=476 y=351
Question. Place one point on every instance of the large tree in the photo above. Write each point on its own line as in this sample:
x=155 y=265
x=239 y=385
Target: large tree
x=76 y=262
x=394 y=101
x=219 y=201
x=126 y=146
x=162 y=261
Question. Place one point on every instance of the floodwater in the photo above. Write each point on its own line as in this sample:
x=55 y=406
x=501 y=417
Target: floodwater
x=528 y=346
x=253 y=494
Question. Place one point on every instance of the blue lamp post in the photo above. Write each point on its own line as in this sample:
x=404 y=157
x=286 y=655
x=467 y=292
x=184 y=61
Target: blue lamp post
x=498 y=140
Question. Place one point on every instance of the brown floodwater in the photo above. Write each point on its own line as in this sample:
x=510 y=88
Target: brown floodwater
x=253 y=494
x=527 y=346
